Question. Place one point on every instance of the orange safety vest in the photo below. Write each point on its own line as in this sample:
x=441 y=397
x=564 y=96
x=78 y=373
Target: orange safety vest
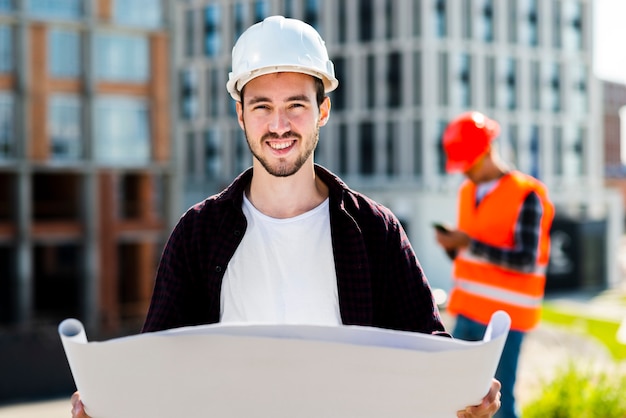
x=482 y=288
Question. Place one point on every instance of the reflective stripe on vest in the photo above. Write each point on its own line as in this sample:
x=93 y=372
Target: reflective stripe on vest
x=496 y=293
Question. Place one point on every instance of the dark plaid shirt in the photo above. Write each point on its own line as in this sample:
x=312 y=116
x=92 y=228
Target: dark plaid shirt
x=379 y=279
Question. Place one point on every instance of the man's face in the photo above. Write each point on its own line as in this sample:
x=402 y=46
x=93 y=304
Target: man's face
x=476 y=173
x=281 y=120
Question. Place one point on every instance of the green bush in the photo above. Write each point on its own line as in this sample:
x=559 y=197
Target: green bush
x=577 y=393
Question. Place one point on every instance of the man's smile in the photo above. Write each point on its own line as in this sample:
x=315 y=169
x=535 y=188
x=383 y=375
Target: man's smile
x=280 y=145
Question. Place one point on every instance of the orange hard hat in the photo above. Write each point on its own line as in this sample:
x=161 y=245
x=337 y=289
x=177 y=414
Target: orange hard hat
x=466 y=138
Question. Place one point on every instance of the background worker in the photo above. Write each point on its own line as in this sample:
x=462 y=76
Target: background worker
x=501 y=246
x=288 y=241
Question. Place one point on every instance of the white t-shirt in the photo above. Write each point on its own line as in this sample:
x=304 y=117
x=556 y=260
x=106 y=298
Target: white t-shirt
x=483 y=189
x=283 y=272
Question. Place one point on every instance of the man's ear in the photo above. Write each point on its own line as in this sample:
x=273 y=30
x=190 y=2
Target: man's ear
x=324 y=111
x=239 y=109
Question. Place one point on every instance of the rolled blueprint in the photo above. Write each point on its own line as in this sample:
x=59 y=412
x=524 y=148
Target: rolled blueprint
x=244 y=370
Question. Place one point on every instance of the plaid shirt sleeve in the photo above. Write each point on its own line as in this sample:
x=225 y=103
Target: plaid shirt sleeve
x=527 y=229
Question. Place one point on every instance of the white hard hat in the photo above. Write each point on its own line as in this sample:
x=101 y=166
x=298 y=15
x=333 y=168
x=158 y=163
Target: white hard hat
x=278 y=44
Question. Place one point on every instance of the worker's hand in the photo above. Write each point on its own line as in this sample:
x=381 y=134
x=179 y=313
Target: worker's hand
x=488 y=407
x=78 y=410
x=452 y=240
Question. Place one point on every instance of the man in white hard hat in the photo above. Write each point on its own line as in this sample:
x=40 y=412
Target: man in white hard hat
x=288 y=241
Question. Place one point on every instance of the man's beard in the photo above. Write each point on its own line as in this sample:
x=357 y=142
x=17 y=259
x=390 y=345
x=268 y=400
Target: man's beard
x=284 y=169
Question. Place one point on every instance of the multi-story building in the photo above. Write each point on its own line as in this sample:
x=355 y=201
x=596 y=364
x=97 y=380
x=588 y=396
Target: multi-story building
x=85 y=159
x=405 y=68
x=614 y=121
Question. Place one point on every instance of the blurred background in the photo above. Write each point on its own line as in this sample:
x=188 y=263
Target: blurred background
x=114 y=119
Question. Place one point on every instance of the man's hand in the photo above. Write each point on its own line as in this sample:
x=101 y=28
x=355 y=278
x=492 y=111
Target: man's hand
x=488 y=407
x=453 y=240
x=78 y=410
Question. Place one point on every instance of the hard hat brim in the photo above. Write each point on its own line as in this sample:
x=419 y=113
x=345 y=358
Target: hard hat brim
x=236 y=84
x=457 y=167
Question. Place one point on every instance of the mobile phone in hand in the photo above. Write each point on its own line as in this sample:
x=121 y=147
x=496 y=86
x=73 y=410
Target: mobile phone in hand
x=441 y=227
x=445 y=230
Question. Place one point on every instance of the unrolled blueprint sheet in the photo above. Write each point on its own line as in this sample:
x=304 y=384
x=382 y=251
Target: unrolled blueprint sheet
x=243 y=370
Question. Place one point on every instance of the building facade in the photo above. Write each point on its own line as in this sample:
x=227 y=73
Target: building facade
x=85 y=159
x=114 y=118
x=405 y=68
x=615 y=135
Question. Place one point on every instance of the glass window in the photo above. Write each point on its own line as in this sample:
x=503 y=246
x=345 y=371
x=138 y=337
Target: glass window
x=311 y=13
x=214 y=90
x=61 y=9
x=212 y=35
x=370 y=80
x=574 y=26
x=555 y=87
x=465 y=80
x=288 y=7
x=189 y=94
x=391 y=27
x=342 y=22
x=511 y=83
x=512 y=22
x=6 y=49
x=190 y=48
x=261 y=9
x=392 y=166
x=533 y=24
x=229 y=104
x=6 y=5
x=242 y=151
x=143 y=13
x=579 y=151
x=122 y=133
x=367 y=148
x=240 y=18
x=417 y=18
x=440 y=150
x=366 y=20
x=65 y=130
x=417 y=149
x=7 y=126
x=487 y=21
x=490 y=81
x=441 y=17
x=122 y=58
x=64 y=59
x=443 y=87
x=574 y=163
x=535 y=85
x=394 y=79
x=192 y=153
x=55 y=269
x=212 y=154
x=417 y=78
x=557 y=25
x=342 y=152
x=466 y=19
x=339 y=95
x=579 y=93
x=513 y=145
x=535 y=151
x=557 y=140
